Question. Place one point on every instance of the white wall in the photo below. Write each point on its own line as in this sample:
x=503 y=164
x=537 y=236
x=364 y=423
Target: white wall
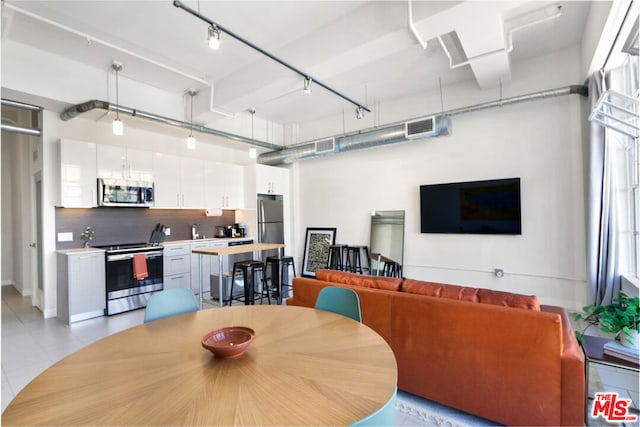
x=540 y=142
x=7 y=144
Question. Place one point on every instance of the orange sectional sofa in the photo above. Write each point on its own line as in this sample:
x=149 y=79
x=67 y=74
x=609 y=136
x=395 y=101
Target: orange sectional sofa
x=497 y=355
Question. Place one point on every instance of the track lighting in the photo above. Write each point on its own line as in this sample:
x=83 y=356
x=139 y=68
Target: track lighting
x=117 y=125
x=191 y=140
x=214 y=37
x=359 y=112
x=214 y=41
x=307 y=85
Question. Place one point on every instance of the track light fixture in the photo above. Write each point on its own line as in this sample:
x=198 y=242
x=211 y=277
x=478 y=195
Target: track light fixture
x=214 y=37
x=117 y=125
x=191 y=140
x=359 y=112
x=217 y=29
x=307 y=85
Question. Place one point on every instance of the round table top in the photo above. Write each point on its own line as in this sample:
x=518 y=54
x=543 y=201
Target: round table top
x=305 y=367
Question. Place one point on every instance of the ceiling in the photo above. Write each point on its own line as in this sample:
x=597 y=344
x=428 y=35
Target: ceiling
x=362 y=49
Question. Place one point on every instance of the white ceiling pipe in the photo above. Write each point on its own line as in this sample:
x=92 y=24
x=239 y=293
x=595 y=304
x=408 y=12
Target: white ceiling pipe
x=548 y=13
x=413 y=29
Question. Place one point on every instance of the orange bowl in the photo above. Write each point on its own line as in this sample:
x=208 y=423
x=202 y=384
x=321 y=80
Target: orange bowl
x=227 y=343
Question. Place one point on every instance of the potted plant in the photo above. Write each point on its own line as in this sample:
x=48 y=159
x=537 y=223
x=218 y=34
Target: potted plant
x=621 y=317
x=86 y=236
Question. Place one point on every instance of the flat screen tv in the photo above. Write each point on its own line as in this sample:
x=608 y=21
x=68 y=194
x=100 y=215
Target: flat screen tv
x=476 y=207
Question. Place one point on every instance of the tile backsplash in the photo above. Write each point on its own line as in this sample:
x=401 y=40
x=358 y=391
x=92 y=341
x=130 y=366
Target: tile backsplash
x=134 y=225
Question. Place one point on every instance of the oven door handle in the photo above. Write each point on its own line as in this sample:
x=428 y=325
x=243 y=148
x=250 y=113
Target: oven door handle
x=130 y=256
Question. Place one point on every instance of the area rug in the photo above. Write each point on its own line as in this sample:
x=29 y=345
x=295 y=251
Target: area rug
x=415 y=411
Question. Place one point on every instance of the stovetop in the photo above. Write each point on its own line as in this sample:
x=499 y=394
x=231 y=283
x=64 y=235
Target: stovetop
x=131 y=247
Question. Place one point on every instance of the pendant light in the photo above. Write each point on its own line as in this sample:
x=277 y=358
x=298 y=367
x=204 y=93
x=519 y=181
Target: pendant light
x=252 y=150
x=191 y=140
x=117 y=125
x=214 y=37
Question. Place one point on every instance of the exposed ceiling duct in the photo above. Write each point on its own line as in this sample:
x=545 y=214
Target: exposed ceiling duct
x=398 y=132
x=76 y=110
x=19 y=129
x=14 y=127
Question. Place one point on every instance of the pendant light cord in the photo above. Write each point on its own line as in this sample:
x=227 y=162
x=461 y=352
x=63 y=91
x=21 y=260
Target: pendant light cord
x=117 y=97
x=191 y=128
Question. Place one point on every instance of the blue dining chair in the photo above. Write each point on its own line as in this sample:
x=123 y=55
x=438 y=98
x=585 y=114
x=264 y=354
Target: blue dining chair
x=385 y=416
x=339 y=300
x=169 y=303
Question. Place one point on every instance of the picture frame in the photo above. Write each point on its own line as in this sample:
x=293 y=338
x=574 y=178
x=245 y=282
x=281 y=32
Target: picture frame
x=316 y=249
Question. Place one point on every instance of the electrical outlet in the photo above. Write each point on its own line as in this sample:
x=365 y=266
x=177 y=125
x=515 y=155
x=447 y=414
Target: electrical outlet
x=65 y=237
x=167 y=231
x=498 y=272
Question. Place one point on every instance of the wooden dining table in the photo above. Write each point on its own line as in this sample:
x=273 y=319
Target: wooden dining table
x=305 y=367
x=223 y=251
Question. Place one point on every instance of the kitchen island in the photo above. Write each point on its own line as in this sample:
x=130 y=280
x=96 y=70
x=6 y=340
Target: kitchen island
x=231 y=250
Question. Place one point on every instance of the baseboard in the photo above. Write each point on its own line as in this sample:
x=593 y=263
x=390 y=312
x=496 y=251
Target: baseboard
x=8 y=283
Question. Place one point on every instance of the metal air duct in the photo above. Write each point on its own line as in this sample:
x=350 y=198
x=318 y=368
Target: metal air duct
x=396 y=133
x=76 y=110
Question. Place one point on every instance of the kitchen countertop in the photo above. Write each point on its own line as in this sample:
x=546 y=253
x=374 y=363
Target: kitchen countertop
x=208 y=239
x=166 y=243
x=79 y=251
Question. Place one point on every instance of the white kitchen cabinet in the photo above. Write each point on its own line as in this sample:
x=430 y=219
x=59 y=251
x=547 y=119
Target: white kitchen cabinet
x=122 y=163
x=271 y=180
x=177 y=266
x=192 y=182
x=179 y=182
x=195 y=266
x=224 y=185
x=78 y=179
x=81 y=291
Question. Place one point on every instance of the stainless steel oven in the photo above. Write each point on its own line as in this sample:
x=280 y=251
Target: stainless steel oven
x=124 y=291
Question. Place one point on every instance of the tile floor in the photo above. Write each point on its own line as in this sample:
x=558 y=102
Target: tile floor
x=30 y=344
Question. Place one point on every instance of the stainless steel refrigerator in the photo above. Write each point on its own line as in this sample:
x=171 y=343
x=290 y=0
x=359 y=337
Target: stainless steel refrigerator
x=270 y=220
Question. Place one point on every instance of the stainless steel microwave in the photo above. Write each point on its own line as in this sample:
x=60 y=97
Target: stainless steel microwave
x=119 y=192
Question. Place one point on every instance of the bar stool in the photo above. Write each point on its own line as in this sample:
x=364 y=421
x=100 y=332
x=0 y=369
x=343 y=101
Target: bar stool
x=279 y=269
x=391 y=269
x=249 y=269
x=353 y=261
x=335 y=259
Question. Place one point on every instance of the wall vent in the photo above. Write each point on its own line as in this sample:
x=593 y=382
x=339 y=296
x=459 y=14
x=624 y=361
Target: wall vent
x=326 y=145
x=420 y=128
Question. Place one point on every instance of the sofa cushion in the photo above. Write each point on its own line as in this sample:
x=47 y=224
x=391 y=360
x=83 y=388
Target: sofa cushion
x=485 y=296
x=346 y=278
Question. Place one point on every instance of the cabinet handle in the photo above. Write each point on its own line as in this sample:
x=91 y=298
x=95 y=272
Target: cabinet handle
x=177 y=259
x=175 y=249
x=177 y=277
x=183 y=200
x=88 y=257
x=227 y=198
x=178 y=199
x=129 y=170
x=123 y=174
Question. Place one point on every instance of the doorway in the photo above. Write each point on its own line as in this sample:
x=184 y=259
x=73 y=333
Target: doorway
x=37 y=245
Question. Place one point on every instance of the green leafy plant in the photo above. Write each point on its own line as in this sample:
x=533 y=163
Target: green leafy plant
x=621 y=317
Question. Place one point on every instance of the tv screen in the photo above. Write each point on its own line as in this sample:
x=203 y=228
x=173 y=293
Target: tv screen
x=476 y=207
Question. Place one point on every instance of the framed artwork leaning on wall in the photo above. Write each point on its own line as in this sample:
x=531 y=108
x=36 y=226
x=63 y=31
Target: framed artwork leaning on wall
x=316 y=249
